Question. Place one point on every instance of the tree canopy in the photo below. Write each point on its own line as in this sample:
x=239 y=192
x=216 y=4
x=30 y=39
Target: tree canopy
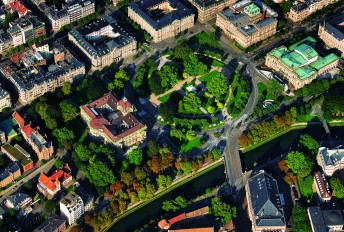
x=190 y=104
x=120 y=78
x=299 y=163
x=222 y=209
x=310 y=143
x=135 y=157
x=218 y=85
x=338 y=187
x=69 y=111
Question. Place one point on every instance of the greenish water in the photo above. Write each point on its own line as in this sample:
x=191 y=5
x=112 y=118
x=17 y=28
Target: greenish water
x=153 y=210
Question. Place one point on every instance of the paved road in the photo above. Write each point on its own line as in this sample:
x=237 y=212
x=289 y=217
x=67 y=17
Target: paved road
x=44 y=168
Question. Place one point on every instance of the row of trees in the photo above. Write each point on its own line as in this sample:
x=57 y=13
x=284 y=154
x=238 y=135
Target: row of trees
x=240 y=93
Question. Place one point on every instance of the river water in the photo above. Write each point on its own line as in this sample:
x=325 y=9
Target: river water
x=216 y=176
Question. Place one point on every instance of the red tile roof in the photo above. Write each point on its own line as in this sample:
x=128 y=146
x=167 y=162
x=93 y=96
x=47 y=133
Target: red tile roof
x=18 y=118
x=18 y=6
x=124 y=104
x=163 y=224
x=230 y=225
x=47 y=182
x=178 y=218
x=321 y=185
x=54 y=180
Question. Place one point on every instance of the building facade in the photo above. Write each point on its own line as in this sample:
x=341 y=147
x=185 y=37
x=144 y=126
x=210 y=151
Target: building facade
x=330 y=160
x=264 y=204
x=17 y=153
x=103 y=42
x=303 y=9
x=40 y=144
x=112 y=121
x=5 y=99
x=332 y=33
x=162 y=19
x=322 y=187
x=300 y=63
x=71 y=11
x=72 y=207
x=32 y=75
x=9 y=174
x=208 y=9
x=248 y=22
x=52 y=185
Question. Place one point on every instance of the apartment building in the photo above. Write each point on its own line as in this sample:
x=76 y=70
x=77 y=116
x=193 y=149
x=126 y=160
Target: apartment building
x=18 y=201
x=67 y=12
x=49 y=186
x=325 y=220
x=71 y=207
x=86 y=197
x=17 y=153
x=112 y=121
x=52 y=224
x=208 y=9
x=5 y=99
x=9 y=174
x=248 y=22
x=264 y=204
x=332 y=33
x=103 y=42
x=330 y=160
x=32 y=75
x=322 y=187
x=300 y=63
x=301 y=9
x=161 y=18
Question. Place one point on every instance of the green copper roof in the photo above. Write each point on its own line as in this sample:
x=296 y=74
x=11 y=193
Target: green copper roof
x=252 y=10
x=302 y=57
x=322 y=62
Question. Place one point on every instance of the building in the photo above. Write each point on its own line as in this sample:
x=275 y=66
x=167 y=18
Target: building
x=72 y=207
x=67 y=12
x=32 y=75
x=5 y=99
x=248 y=22
x=3 y=139
x=9 y=174
x=86 y=197
x=103 y=42
x=332 y=33
x=330 y=160
x=112 y=121
x=301 y=9
x=51 y=185
x=208 y=9
x=300 y=63
x=207 y=229
x=18 y=201
x=17 y=6
x=264 y=204
x=17 y=153
x=161 y=18
x=52 y=224
x=40 y=144
x=325 y=220
x=322 y=187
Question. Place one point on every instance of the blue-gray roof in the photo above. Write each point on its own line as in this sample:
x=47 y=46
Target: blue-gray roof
x=265 y=200
x=141 y=8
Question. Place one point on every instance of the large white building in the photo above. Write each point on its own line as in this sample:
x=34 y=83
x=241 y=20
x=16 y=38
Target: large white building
x=72 y=207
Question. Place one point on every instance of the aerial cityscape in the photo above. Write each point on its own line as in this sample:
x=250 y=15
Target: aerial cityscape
x=172 y=115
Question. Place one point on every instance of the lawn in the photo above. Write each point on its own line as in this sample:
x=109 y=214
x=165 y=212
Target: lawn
x=195 y=143
x=208 y=39
x=166 y=97
x=305 y=186
x=207 y=77
x=217 y=63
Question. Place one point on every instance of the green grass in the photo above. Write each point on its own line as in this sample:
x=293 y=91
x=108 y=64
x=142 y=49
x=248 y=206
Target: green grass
x=205 y=38
x=261 y=87
x=195 y=143
x=166 y=97
x=207 y=77
x=146 y=47
x=83 y=136
x=217 y=63
x=17 y=154
x=305 y=186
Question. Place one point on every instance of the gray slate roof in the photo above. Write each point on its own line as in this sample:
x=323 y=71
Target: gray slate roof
x=266 y=201
x=50 y=225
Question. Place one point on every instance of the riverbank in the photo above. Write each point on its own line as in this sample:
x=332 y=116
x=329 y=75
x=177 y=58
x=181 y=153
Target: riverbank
x=295 y=126
x=181 y=181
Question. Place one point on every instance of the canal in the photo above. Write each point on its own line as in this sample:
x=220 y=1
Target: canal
x=216 y=176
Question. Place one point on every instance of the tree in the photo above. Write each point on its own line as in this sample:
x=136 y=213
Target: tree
x=218 y=85
x=63 y=134
x=69 y=111
x=163 y=181
x=135 y=157
x=99 y=173
x=286 y=5
x=83 y=152
x=310 y=143
x=283 y=166
x=50 y=206
x=181 y=202
x=119 y=80
x=127 y=178
x=153 y=148
x=190 y=104
x=166 y=112
x=169 y=206
x=67 y=88
x=182 y=51
x=1 y=161
x=222 y=210
x=169 y=76
x=140 y=173
x=76 y=229
x=290 y=178
x=300 y=219
x=12 y=212
x=338 y=187
x=58 y=163
x=299 y=163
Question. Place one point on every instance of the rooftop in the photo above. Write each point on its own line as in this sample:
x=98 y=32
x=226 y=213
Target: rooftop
x=9 y=170
x=54 y=180
x=316 y=218
x=17 y=153
x=17 y=199
x=50 y=225
x=323 y=219
x=72 y=200
x=322 y=185
x=336 y=27
x=265 y=200
x=161 y=13
x=331 y=156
